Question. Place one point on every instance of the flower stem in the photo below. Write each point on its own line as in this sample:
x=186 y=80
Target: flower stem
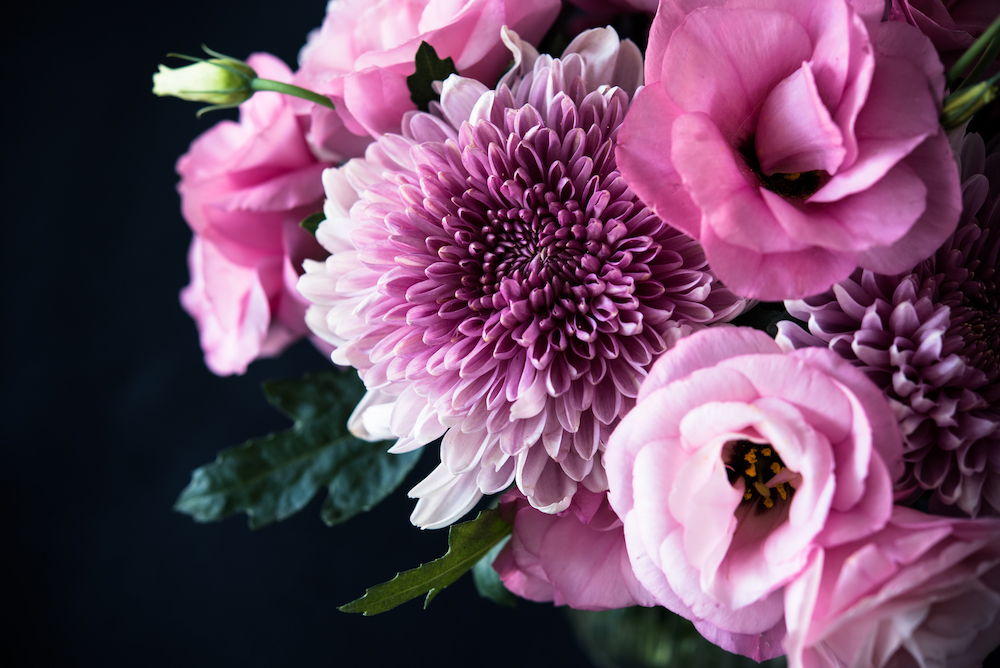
x=289 y=89
x=970 y=56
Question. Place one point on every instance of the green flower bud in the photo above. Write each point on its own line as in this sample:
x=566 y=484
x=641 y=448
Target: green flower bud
x=219 y=81
x=959 y=107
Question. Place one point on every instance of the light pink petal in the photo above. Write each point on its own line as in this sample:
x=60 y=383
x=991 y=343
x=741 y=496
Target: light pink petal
x=794 y=130
x=723 y=62
x=643 y=139
x=377 y=97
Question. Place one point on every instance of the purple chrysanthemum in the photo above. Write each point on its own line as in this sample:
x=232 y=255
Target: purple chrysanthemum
x=494 y=280
x=930 y=338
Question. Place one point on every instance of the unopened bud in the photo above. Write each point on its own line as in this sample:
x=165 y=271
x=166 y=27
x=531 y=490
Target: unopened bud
x=961 y=106
x=219 y=81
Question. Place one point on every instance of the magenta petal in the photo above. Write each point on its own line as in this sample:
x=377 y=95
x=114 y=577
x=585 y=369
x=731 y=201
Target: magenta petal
x=724 y=61
x=776 y=276
x=643 y=140
x=794 y=130
x=932 y=163
x=376 y=96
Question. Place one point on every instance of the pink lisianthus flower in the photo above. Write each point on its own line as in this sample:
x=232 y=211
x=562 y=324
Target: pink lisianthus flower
x=924 y=591
x=495 y=281
x=244 y=188
x=795 y=140
x=364 y=51
x=576 y=557
x=952 y=26
x=736 y=464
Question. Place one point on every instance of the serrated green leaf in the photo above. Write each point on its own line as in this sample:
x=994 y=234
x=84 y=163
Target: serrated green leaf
x=273 y=477
x=488 y=582
x=430 y=68
x=467 y=544
x=311 y=222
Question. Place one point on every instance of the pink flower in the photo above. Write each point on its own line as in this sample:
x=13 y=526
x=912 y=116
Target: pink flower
x=576 y=557
x=794 y=140
x=952 y=26
x=244 y=188
x=923 y=591
x=495 y=281
x=738 y=462
x=364 y=51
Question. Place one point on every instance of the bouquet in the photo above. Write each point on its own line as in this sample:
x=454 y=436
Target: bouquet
x=696 y=303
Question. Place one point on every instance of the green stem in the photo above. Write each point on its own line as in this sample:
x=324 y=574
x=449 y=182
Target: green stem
x=973 y=53
x=982 y=65
x=289 y=89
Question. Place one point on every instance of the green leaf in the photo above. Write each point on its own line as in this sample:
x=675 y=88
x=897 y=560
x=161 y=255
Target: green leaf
x=467 y=544
x=430 y=68
x=488 y=582
x=311 y=222
x=273 y=477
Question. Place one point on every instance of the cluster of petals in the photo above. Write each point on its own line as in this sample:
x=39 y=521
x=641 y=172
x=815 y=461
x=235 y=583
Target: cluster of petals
x=951 y=26
x=795 y=140
x=364 y=50
x=496 y=282
x=244 y=188
x=924 y=591
x=737 y=463
x=930 y=338
x=576 y=557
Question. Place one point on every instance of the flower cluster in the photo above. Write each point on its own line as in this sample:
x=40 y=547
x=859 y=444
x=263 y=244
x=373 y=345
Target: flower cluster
x=540 y=270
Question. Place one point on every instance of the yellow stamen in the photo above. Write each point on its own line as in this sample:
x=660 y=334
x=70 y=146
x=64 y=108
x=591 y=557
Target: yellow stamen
x=752 y=471
x=766 y=452
x=768 y=503
x=775 y=467
x=747 y=494
x=781 y=491
x=792 y=177
x=751 y=456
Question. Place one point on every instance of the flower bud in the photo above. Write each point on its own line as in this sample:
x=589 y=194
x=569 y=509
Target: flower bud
x=959 y=107
x=219 y=81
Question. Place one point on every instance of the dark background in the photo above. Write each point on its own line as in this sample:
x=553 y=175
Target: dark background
x=109 y=406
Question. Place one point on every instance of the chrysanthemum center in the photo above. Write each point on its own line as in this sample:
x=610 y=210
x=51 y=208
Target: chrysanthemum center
x=764 y=475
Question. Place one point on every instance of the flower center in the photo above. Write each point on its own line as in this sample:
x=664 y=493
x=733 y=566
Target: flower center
x=798 y=186
x=765 y=477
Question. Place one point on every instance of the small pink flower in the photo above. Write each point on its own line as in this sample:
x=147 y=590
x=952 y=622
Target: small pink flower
x=923 y=591
x=738 y=462
x=794 y=140
x=244 y=188
x=576 y=557
x=364 y=51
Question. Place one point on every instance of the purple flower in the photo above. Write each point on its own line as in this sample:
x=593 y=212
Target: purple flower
x=930 y=339
x=496 y=282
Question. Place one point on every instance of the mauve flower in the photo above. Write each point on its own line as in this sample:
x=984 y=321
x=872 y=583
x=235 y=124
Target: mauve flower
x=952 y=26
x=576 y=557
x=930 y=338
x=794 y=140
x=924 y=591
x=244 y=188
x=495 y=281
x=739 y=461
x=364 y=51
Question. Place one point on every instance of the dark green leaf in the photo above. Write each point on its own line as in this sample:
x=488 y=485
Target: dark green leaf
x=430 y=68
x=488 y=582
x=311 y=222
x=467 y=544
x=273 y=477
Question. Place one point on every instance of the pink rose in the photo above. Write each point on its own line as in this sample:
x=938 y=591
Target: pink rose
x=244 y=189
x=923 y=591
x=576 y=557
x=794 y=140
x=737 y=463
x=364 y=51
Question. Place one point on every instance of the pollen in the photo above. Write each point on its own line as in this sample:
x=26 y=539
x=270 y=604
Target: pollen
x=757 y=479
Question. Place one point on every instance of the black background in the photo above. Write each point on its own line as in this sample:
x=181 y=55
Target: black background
x=108 y=405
